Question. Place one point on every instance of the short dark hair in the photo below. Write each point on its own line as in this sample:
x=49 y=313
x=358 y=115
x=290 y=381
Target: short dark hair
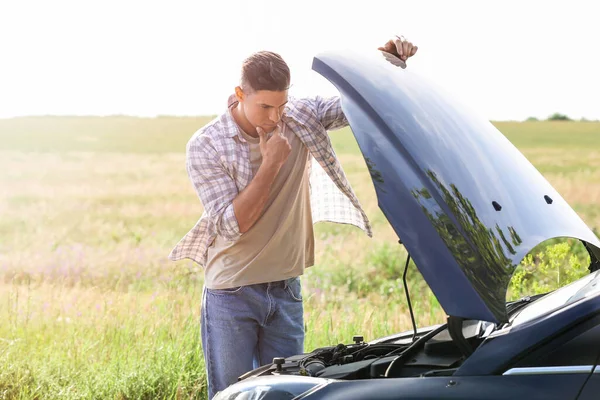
x=265 y=70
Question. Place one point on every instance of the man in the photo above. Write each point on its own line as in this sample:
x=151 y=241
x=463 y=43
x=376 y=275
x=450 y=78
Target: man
x=265 y=171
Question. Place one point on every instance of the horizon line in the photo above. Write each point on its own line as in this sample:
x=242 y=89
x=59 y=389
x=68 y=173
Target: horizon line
x=212 y=116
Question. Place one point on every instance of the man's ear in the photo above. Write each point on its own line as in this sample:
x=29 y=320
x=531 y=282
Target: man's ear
x=239 y=94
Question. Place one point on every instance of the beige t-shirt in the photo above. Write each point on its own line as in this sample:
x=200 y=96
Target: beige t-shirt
x=281 y=243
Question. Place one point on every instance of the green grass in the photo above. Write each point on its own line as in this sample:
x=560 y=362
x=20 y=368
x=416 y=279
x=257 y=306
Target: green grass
x=553 y=134
x=90 y=208
x=98 y=134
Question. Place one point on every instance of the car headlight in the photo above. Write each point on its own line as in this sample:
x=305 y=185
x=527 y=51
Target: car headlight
x=270 y=388
x=255 y=393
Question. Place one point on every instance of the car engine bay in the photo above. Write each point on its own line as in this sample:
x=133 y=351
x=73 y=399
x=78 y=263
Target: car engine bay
x=431 y=352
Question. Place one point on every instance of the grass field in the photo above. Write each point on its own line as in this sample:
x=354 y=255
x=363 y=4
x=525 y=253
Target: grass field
x=90 y=208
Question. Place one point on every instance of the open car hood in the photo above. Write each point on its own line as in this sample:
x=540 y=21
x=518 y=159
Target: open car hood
x=464 y=201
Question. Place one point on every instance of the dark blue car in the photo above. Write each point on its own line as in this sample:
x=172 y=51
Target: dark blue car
x=468 y=207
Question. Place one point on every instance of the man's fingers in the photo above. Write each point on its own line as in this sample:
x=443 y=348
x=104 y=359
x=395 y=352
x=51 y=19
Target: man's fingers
x=406 y=49
x=276 y=131
x=261 y=134
x=280 y=129
x=389 y=47
x=399 y=49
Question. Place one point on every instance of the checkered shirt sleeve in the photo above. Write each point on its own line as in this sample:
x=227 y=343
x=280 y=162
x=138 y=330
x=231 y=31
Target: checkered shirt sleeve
x=215 y=187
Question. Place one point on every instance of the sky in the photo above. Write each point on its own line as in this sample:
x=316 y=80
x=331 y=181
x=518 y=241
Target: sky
x=507 y=60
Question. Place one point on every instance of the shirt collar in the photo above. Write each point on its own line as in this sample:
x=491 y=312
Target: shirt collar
x=231 y=127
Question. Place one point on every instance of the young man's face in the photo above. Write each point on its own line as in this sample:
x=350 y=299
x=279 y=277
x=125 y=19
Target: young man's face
x=263 y=108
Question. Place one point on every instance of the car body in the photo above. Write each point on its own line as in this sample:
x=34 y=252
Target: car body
x=468 y=207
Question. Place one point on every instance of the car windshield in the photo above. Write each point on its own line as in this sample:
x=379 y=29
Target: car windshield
x=585 y=287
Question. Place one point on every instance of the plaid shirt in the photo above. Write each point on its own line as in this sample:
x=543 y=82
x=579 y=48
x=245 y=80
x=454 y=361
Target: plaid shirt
x=218 y=164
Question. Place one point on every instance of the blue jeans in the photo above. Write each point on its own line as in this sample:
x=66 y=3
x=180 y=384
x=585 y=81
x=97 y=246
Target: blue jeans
x=246 y=327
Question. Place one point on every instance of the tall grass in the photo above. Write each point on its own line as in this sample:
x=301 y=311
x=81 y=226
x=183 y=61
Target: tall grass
x=90 y=208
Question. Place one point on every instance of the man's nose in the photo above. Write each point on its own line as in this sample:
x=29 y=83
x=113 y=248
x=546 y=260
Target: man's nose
x=275 y=115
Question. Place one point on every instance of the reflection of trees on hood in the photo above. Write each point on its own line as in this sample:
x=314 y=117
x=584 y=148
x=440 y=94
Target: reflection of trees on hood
x=516 y=239
x=480 y=250
x=375 y=173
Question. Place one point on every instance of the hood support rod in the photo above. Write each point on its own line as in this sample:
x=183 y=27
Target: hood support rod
x=412 y=316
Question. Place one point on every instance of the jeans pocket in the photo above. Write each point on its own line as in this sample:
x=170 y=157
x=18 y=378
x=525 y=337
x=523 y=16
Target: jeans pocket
x=222 y=292
x=294 y=289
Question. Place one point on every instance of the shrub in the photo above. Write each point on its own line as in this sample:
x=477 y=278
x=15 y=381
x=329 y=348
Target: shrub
x=558 y=117
x=551 y=268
